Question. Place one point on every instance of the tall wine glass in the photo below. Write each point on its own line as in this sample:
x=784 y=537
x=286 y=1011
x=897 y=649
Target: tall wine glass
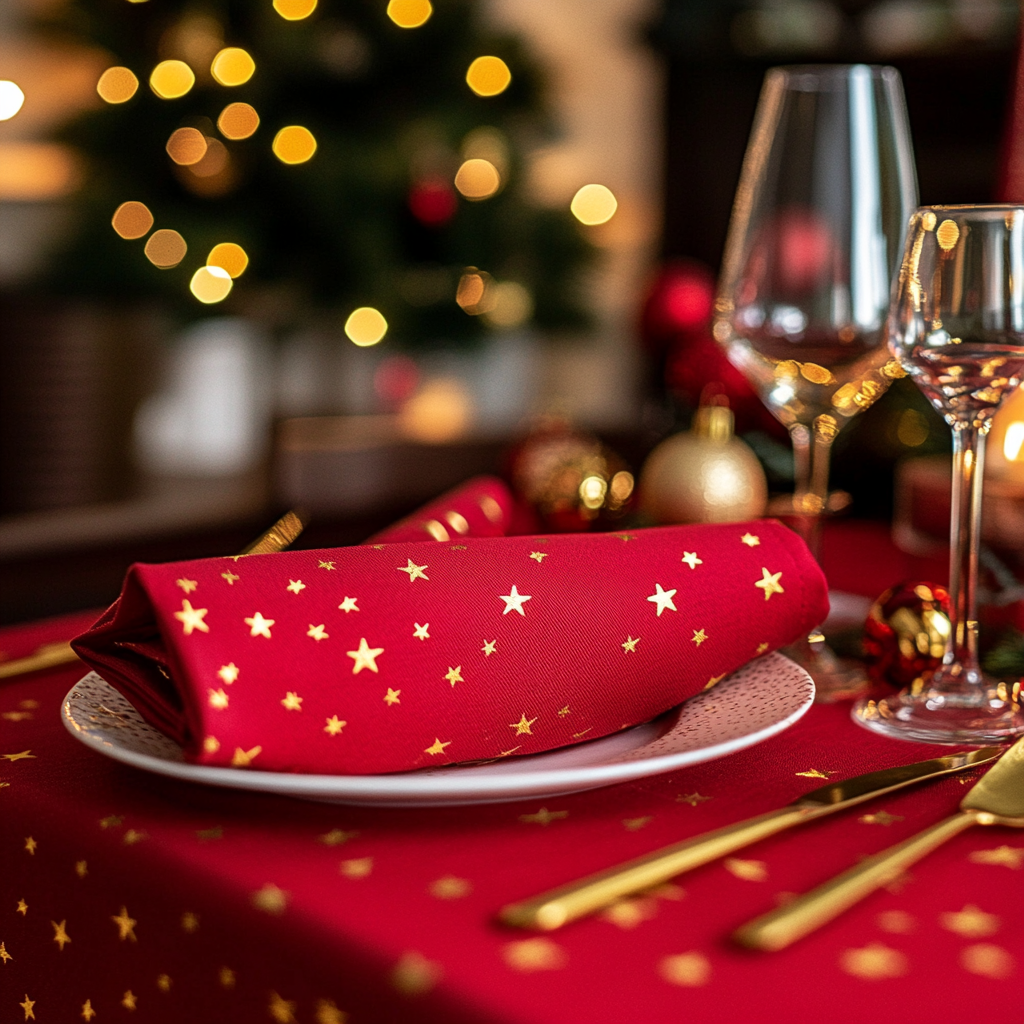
x=827 y=188
x=957 y=326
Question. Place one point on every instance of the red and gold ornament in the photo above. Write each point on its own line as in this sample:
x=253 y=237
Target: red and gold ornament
x=906 y=632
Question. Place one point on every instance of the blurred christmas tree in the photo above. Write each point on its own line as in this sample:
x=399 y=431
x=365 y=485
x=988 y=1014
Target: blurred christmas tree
x=356 y=154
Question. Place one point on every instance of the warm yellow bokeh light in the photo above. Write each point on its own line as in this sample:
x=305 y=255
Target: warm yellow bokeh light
x=230 y=257
x=488 y=76
x=511 y=305
x=11 y=99
x=366 y=326
x=214 y=160
x=410 y=13
x=475 y=293
x=594 y=204
x=477 y=179
x=441 y=411
x=294 y=144
x=186 y=146
x=489 y=144
x=132 y=219
x=165 y=248
x=295 y=10
x=117 y=85
x=232 y=66
x=210 y=284
x=238 y=121
x=171 y=79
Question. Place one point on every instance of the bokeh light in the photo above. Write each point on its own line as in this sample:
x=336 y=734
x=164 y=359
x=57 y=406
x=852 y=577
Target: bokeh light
x=295 y=10
x=230 y=257
x=594 y=204
x=33 y=172
x=132 y=219
x=238 y=121
x=511 y=305
x=186 y=146
x=165 y=248
x=477 y=179
x=117 y=85
x=488 y=76
x=441 y=411
x=410 y=13
x=210 y=284
x=475 y=294
x=11 y=99
x=171 y=79
x=213 y=161
x=486 y=143
x=366 y=326
x=232 y=66
x=294 y=144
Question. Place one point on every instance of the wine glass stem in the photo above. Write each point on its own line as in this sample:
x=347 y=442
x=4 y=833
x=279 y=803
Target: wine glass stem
x=964 y=538
x=811 y=458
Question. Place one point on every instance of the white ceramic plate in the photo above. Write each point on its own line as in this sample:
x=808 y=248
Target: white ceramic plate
x=759 y=700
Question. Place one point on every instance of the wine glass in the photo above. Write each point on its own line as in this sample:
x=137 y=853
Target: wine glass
x=827 y=188
x=957 y=327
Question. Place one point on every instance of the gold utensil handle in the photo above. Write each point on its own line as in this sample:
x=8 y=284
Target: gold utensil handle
x=806 y=913
x=552 y=909
x=279 y=536
x=47 y=656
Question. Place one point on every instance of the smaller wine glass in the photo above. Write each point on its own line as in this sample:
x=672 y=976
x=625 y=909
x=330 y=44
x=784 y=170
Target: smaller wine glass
x=957 y=327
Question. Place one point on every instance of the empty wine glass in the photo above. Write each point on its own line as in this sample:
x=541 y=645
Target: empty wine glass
x=827 y=188
x=957 y=326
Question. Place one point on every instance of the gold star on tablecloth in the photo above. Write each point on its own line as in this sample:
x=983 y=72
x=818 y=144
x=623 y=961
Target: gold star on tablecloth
x=243 y=758
x=128 y=1000
x=4 y=955
x=415 y=571
x=27 y=1007
x=873 y=962
x=187 y=585
x=635 y=824
x=454 y=675
x=769 y=583
x=690 y=970
x=30 y=845
x=348 y=605
x=450 y=888
x=134 y=836
x=391 y=697
x=538 y=556
x=663 y=599
x=488 y=647
x=189 y=922
x=259 y=626
x=420 y=632
x=813 y=773
x=714 y=681
x=880 y=818
x=22 y=908
x=211 y=744
x=437 y=747
x=229 y=578
x=327 y=1012
x=60 y=935
x=691 y=798
x=750 y=540
x=699 y=636
x=538 y=954
x=514 y=601
x=228 y=673
x=629 y=644
x=747 y=870
x=23 y=755
x=543 y=817
x=163 y=982
x=414 y=974
x=227 y=977
x=318 y=633
x=357 y=867
x=364 y=657
x=971 y=922
x=987 y=960
x=125 y=925
x=192 y=618
x=523 y=726
x=87 y=1011
x=111 y=821
x=295 y=586
x=761 y=648
x=282 y=1010
x=329 y=566
x=338 y=836
x=896 y=922
x=691 y=559
x=217 y=699
x=334 y=725
x=563 y=711
x=81 y=868
x=1008 y=856
x=270 y=898
x=292 y=701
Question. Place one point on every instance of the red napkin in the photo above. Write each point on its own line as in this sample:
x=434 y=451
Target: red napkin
x=389 y=657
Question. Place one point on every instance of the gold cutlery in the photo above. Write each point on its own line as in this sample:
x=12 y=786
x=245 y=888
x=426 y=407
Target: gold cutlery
x=998 y=799
x=553 y=909
x=277 y=538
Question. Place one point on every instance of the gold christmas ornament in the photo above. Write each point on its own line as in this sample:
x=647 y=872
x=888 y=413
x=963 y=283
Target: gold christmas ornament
x=705 y=475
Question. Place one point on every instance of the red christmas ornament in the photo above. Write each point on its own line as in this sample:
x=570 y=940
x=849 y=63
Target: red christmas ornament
x=905 y=633
x=432 y=201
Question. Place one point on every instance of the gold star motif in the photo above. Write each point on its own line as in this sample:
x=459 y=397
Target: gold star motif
x=420 y=632
x=563 y=711
x=691 y=559
x=227 y=977
x=769 y=583
x=663 y=599
x=295 y=586
x=391 y=697
x=714 y=681
x=329 y=566
x=327 y=1012
x=1007 y=856
x=270 y=899
x=16 y=716
x=365 y=657
x=282 y=1010
x=22 y=908
x=60 y=935
x=699 y=636
x=691 y=798
x=689 y=970
x=880 y=818
x=538 y=556
x=229 y=578
x=629 y=644
x=987 y=960
x=217 y=699
x=873 y=962
x=750 y=540
x=81 y=868
x=357 y=867
x=348 y=605
x=128 y=1000
x=454 y=675
x=23 y=755
x=747 y=870
x=635 y=824
x=317 y=632
x=488 y=647
x=87 y=1011
x=971 y=922
x=228 y=673
x=437 y=747
x=243 y=758
x=292 y=701
x=30 y=845
x=761 y=648
x=259 y=626
x=813 y=773
x=192 y=618
x=27 y=1007
x=134 y=836
x=450 y=888
x=514 y=602
x=415 y=571
x=211 y=744
x=4 y=955
x=543 y=817
x=538 y=954
x=414 y=974
x=111 y=821
x=125 y=925
x=896 y=922
x=334 y=725
x=163 y=982
x=337 y=837
x=523 y=726
x=187 y=585
x=189 y=922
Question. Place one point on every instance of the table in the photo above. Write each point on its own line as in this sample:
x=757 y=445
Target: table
x=125 y=896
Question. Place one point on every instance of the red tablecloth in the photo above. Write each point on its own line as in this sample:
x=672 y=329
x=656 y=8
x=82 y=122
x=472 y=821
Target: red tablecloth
x=125 y=896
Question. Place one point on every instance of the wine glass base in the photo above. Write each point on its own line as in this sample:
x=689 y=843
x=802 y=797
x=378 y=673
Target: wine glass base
x=992 y=716
x=834 y=678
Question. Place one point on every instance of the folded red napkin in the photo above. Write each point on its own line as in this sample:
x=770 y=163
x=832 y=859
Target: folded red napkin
x=388 y=657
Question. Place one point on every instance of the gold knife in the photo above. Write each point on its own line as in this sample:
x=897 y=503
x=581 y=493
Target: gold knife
x=553 y=909
x=277 y=538
x=998 y=799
